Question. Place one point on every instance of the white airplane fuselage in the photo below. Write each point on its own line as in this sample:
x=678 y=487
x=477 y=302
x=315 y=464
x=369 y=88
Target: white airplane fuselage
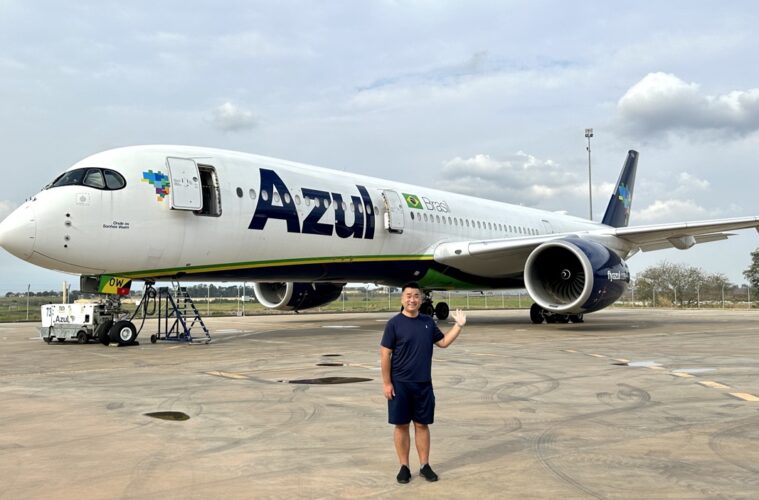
x=134 y=232
x=301 y=232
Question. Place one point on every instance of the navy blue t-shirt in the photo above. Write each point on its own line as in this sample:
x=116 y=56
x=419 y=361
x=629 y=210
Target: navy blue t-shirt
x=411 y=340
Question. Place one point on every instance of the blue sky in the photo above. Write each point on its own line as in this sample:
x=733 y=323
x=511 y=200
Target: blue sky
x=485 y=98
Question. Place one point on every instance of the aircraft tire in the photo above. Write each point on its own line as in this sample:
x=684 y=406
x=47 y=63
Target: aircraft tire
x=102 y=332
x=426 y=308
x=442 y=311
x=536 y=314
x=576 y=318
x=123 y=332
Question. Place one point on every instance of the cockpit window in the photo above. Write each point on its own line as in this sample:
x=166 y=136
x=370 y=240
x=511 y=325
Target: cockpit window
x=113 y=180
x=70 y=178
x=94 y=178
x=98 y=178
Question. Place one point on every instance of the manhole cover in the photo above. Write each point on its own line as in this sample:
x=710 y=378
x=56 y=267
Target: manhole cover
x=169 y=415
x=330 y=380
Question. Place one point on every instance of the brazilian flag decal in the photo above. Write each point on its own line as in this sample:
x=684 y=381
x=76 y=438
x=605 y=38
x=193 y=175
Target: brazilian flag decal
x=412 y=201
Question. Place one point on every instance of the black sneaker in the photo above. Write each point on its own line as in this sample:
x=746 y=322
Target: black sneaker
x=427 y=473
x=404 y=475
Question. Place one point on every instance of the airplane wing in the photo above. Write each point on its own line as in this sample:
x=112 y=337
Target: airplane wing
x=683 y=234
x=506 y=257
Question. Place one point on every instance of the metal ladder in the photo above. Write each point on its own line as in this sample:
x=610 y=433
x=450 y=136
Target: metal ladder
x=179 y=307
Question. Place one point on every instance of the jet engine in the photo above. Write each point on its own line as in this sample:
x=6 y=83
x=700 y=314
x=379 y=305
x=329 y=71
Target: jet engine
x=289 y=296
x=573 y=276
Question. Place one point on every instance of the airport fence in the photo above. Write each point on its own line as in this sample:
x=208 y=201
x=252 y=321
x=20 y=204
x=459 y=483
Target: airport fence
x=25 y=306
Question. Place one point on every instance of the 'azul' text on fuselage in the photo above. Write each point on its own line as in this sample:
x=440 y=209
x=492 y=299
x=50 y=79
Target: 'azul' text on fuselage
x=285 y=209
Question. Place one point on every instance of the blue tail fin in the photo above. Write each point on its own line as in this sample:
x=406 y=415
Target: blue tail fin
x=618 y=212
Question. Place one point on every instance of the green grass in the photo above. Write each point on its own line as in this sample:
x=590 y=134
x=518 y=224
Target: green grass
x=15 y=308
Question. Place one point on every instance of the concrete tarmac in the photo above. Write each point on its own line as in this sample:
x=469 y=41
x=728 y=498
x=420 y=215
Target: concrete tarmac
x=629 y=404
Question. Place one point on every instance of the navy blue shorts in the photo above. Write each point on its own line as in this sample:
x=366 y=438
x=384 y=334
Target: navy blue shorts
x=413 y=401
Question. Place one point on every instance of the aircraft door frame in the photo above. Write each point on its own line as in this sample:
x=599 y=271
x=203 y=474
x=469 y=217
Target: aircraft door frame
x=547 y=226
x=185 y=184
x=393 y=217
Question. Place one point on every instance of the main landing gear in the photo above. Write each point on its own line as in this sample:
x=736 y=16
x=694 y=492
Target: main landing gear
x=538 y=314
x=440 y=311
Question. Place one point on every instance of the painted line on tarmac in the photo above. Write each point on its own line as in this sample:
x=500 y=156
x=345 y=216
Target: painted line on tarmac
x=744 y=396
x=713 y=385
x=684 y=373
x=235 y=376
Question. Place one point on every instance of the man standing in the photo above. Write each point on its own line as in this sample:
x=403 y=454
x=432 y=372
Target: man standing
x=406 y=359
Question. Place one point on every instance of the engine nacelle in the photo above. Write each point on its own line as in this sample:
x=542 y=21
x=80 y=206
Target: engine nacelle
x=289 y=296
x=573 y=276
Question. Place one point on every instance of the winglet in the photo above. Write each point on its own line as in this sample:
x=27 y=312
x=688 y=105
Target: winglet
x=618 y=212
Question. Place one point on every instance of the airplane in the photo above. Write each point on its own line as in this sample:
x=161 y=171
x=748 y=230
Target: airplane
x=301 y=232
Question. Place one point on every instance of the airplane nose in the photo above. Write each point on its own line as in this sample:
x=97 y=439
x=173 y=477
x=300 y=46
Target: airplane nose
x=18 y=231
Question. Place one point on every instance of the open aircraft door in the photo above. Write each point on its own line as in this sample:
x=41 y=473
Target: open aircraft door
x=185 y=184
x=393 y=211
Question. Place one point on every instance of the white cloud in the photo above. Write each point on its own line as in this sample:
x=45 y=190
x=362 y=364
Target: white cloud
x=671 y=210
x=688 y=182
x=230 y=118
x=662 y=102
x=521 y=179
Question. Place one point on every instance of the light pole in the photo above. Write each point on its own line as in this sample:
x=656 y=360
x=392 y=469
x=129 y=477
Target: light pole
x=588 y=135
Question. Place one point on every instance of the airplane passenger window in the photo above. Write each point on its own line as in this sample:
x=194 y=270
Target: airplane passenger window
x=265 y=195
x=252 y=194
x=94 y=178
x=297 y=199
x=308 y=201
x=425 y=217
x=360 y=208
x=113 y=179
x=276 y=197
x=287 y=198
x=412 y=215
x=239 y=192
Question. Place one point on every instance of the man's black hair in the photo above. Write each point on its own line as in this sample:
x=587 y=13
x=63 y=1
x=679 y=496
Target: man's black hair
x=411 y=284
